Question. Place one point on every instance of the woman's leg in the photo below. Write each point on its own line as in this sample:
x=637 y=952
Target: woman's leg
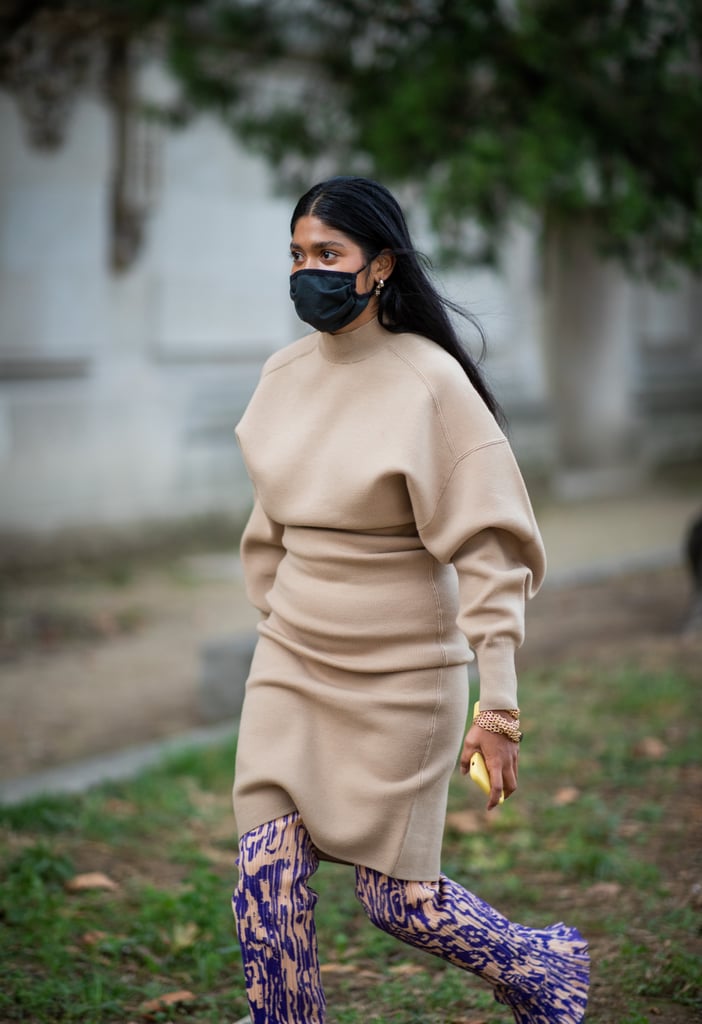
x=274 y=911
x=541 y=974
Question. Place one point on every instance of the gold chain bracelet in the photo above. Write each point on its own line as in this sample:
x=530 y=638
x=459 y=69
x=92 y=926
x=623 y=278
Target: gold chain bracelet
x=492 y=722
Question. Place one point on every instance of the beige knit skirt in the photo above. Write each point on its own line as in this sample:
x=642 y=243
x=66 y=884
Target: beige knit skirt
x=365 y=757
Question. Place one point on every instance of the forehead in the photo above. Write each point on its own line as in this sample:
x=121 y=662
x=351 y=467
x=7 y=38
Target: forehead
x=311 y=232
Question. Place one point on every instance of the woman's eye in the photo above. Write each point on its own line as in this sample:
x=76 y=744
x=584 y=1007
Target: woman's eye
x=328 y=254
x=295 y=256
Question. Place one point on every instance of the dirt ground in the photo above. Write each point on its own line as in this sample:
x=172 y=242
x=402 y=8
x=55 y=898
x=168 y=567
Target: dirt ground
x=99 y=660
x=642 y=618
x=90 y=664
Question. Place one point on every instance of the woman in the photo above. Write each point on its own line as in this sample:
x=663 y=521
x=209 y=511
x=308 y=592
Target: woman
x=391 y=529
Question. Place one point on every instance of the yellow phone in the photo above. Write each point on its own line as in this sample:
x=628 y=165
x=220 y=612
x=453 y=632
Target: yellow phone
x=478 y=769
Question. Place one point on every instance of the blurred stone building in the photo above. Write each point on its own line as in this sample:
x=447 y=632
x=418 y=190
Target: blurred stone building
x=132 y=336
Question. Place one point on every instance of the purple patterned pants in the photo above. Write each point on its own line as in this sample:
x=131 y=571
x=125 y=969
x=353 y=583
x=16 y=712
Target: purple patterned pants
x=542 y=975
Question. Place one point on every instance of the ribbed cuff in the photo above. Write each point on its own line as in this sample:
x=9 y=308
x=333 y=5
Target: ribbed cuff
x=498 y=676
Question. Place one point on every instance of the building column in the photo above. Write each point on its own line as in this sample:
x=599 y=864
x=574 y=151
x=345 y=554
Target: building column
x=590 y=337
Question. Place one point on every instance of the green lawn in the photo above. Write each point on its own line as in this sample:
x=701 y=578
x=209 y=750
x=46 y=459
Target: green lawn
x=604 y=833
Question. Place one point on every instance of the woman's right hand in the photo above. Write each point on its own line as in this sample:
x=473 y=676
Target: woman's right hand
x=501 y=756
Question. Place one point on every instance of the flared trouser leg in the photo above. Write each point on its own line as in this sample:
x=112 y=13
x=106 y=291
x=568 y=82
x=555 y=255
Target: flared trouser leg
x=274 y=912
x=542 y=975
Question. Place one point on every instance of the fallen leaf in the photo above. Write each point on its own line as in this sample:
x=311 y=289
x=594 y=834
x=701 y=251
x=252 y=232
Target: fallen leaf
x=604 y=890
x=93 y=937
x=334 y=968
x=184 y=936
x=120 y=808
x=566 y=795
x=651 y=747
x=168 y=999
x=464 y=822
x=90 y=880
x=406 y=969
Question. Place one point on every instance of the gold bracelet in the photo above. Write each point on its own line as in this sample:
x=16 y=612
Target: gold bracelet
x=492 y=722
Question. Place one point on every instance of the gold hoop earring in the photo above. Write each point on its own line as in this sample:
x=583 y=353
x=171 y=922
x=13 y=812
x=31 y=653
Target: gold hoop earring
x=379 y=286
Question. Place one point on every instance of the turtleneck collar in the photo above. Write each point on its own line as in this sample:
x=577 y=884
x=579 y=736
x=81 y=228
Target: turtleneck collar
x=353 y=346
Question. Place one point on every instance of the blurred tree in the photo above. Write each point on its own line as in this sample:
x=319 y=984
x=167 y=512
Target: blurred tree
x=579 y=111
x=587 y=117
x=586 y=111
x=52 y=52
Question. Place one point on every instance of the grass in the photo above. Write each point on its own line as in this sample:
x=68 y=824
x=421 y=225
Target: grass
x=600 y=834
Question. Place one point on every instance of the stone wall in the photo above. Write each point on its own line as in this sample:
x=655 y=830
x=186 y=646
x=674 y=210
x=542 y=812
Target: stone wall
x=119 y=393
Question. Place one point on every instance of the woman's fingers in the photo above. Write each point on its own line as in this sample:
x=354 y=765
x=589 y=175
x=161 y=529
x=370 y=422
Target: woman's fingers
x=501 y=760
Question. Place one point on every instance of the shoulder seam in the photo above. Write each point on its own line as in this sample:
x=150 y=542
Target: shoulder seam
x=289 y=360
x=434 y=397
x=457 y=462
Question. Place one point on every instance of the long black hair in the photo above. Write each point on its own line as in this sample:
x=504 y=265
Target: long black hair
x=368 y=213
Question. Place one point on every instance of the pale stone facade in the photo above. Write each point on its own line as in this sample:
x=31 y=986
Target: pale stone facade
x=119 y=393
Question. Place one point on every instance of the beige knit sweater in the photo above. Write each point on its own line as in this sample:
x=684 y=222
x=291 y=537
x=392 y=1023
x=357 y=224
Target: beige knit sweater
x=369 y=434
x=391 y=526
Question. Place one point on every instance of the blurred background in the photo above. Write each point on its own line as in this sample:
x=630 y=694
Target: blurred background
x=549 y=159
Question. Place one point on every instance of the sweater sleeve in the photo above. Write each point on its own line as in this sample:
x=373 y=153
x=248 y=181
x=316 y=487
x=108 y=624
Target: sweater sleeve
x=261 y=551
x=482 y=522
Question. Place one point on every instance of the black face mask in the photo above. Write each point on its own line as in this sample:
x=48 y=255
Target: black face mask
x=327 y=299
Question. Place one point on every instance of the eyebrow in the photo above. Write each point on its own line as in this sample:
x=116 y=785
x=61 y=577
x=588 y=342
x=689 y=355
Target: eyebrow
x=322 y=245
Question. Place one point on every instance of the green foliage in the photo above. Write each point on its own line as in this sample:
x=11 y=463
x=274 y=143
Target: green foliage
x=47 y=814
x=32 y=880
x=588 y=111
x=166 y=839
